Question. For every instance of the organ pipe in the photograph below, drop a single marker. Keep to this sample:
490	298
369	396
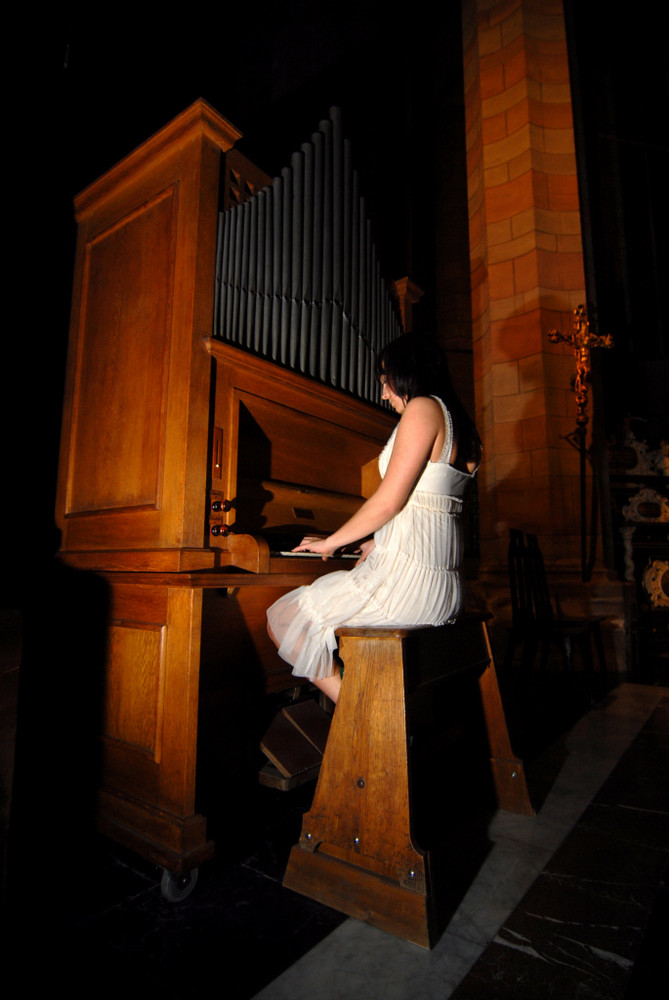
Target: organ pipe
297	276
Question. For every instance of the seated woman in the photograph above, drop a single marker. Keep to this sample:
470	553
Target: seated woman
408	532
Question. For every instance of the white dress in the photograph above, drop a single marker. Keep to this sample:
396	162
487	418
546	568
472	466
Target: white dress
411	577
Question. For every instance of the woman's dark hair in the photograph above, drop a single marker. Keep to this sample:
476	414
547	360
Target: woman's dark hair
416	366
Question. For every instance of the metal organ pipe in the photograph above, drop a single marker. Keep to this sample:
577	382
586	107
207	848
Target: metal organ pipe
297	276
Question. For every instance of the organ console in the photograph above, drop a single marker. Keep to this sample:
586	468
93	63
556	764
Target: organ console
194	452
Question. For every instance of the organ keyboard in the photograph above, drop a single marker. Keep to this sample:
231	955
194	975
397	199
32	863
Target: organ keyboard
298	458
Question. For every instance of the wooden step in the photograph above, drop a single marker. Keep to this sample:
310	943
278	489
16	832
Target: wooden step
310	720
294	745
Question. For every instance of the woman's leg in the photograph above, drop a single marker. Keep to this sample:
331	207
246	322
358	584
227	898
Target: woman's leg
328	685
272	636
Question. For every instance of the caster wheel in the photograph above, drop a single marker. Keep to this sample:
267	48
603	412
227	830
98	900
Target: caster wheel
175	888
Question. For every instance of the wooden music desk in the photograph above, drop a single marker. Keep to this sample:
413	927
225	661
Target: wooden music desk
357	851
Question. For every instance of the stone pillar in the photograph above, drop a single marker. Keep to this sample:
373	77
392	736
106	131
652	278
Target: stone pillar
527	277
527	271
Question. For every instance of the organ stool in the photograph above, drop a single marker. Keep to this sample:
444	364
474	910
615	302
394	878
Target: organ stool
358	851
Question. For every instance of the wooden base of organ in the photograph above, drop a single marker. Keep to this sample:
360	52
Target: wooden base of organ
185	652
358	851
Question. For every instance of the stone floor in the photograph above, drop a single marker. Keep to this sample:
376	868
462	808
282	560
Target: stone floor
570	903
565	902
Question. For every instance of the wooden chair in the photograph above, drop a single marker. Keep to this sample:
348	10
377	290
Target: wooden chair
358	850
534	622
523	630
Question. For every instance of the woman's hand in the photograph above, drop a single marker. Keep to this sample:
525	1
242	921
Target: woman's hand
365	549
321	546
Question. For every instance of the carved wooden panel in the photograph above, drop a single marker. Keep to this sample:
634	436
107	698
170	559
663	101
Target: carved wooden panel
135	675
121	373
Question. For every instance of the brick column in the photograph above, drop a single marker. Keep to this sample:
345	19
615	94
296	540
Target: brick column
527	270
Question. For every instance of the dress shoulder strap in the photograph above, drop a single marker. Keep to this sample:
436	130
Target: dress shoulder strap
448	433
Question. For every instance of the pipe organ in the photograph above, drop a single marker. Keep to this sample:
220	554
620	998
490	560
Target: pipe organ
193	452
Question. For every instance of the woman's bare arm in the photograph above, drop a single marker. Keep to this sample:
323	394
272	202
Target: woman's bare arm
419	426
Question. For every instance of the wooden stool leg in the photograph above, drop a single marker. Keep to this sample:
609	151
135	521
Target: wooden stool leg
355	852
507	769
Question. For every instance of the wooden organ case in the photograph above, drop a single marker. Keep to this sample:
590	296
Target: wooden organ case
181	458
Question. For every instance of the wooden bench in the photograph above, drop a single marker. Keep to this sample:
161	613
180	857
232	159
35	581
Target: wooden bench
357	851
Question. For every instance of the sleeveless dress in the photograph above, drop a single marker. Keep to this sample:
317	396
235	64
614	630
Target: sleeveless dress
411	577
